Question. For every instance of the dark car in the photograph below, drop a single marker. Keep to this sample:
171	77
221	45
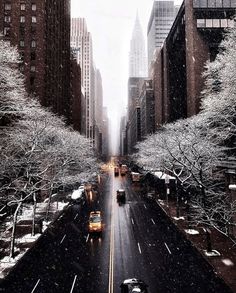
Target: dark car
120	196
133	286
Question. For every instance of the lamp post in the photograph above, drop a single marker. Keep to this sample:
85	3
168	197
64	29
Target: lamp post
167	181
177	198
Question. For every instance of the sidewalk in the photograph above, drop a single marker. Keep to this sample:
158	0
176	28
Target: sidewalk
224	263
24	240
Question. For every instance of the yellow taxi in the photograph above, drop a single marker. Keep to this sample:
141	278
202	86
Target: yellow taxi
95	222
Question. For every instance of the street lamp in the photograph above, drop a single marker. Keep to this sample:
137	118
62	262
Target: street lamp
167	181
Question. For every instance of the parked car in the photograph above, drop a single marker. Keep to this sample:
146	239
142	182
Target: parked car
133	286
120	196
78	195
95	222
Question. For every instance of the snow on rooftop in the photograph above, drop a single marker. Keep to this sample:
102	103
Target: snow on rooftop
162	175
191	231
28	238
212	253
227	262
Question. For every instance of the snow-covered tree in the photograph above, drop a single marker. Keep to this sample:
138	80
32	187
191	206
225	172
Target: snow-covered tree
218	97
38	150
191	149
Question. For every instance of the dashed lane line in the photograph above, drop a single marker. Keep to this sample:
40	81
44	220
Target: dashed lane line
35	286
153	221
63	239
87	238
139	248
167	248
73	285
132	221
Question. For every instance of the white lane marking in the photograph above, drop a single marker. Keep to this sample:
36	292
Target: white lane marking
139	248
73	285
35	285
76	216
132	221
63	239
87	238
145	206
167	248
161	207
153	221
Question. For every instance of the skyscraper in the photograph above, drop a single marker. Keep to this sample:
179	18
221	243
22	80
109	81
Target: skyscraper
137	54
81	43
161	19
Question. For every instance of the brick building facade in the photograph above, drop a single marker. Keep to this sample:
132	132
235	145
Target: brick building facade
41	31
193	39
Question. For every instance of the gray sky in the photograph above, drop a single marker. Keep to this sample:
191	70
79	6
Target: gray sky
111	23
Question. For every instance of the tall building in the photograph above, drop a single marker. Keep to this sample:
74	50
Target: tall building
123	136
44	48
137	54
98	108
134	115
147	106
81	43
193	40
160	21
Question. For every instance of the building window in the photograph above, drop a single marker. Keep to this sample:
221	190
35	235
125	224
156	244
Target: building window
233	3
216	23
22	31
201	23
34	20
22	7
32	68
208	22
22	19
7	18
230	22
223	23
33	44
34	7
218	3
33	29
22	56
22	43
32	80
33	56
226	3
6	31
7	6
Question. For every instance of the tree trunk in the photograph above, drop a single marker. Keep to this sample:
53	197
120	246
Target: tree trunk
49	205
33	218
13	234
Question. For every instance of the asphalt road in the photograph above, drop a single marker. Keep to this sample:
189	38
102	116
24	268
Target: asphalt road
138	241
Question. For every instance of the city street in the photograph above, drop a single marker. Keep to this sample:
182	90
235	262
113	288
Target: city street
138	240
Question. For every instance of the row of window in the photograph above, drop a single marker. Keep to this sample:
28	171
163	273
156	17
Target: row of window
22	44
7	6
7	19
33	19
214	3
217	23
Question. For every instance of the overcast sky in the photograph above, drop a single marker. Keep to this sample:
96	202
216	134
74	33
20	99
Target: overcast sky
111	23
